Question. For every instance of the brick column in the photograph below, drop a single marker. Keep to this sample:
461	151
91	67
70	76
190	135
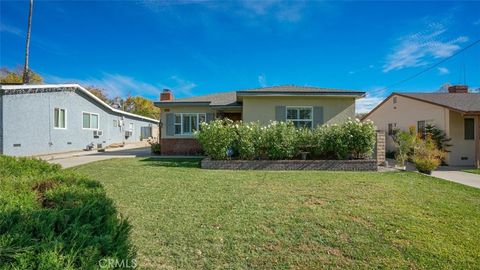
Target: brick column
380	148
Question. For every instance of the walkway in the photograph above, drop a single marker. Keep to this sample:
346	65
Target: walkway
455	174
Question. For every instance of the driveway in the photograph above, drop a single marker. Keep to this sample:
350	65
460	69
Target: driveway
455	174
84	158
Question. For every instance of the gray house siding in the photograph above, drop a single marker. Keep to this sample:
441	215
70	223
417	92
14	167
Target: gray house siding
28	127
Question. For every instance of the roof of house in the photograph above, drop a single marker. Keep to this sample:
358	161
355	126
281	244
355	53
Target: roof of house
231	98
461	102
464	102
25	87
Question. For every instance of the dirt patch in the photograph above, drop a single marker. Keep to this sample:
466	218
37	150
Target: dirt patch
40	189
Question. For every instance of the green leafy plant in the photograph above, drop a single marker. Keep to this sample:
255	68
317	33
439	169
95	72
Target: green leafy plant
404	142
217	138
426	156
249	140
55	219
281	140
440	138
156	148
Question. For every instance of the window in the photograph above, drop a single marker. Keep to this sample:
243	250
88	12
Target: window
59	118
421	128
115	123
187	123
391	128
130	126
469	126
300	116
90	120
394	100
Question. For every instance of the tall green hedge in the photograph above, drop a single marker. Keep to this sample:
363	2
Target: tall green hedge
55	219
224	139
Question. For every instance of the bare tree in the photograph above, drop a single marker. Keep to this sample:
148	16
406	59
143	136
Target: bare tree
26	77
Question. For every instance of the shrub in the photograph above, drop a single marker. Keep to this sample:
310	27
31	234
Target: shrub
359	138
280	140
217	138
54	219
404	142
156	148
249	140
426	156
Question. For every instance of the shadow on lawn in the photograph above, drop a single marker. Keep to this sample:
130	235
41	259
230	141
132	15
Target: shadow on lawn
172	162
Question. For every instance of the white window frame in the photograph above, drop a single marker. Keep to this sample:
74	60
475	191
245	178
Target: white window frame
391	132
65	113
131	126
98	117
181	122
298	119
115	123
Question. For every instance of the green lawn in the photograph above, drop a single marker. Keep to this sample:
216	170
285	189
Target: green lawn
184	217
476	171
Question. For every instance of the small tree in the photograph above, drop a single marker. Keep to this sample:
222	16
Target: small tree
404	142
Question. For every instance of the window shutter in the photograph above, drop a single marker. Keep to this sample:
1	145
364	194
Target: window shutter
317	116
210	117
170	124
280	113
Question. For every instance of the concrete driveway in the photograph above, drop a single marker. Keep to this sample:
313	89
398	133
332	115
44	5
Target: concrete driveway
80	158
455	174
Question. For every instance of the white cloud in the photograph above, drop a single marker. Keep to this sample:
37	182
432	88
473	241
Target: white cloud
262	80
365	105
11	29
418	49
117	85
443	70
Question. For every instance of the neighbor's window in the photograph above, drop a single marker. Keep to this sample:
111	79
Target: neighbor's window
90	120
115	123
391	128
421	127
131	126
187	123
394	100
59	118
300	116
469	125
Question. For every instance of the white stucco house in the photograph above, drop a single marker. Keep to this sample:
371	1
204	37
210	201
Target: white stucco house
457	113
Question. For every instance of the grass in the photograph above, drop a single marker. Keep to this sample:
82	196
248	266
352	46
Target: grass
475	171
54	219
184	217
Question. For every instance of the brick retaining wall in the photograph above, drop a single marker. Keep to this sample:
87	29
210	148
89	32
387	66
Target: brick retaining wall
326	165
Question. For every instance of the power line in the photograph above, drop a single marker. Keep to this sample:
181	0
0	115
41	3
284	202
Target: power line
432	66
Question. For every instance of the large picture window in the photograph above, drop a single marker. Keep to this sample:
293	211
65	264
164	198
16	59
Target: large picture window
187	123
90	120
59	118
300	116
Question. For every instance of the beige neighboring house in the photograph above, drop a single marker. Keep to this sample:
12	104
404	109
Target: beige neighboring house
304	106
457	113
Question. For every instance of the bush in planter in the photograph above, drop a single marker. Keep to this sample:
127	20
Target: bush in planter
249	140
280	140
359	138
330	142
217	138
426	156
156	148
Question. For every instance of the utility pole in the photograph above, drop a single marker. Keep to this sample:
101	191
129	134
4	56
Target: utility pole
26	77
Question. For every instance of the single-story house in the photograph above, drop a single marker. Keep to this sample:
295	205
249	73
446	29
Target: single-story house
54	118
304	106
457	113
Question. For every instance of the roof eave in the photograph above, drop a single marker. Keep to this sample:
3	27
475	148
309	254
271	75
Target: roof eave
303	94
181	103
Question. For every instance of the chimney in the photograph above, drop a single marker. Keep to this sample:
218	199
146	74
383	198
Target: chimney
458	89
166	95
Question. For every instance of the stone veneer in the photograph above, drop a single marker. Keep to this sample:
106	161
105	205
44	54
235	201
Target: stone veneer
327	165
380	148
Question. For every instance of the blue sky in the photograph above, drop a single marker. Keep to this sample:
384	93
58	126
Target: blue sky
140	47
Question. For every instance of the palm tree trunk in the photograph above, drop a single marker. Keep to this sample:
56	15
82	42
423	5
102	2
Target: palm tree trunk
26	77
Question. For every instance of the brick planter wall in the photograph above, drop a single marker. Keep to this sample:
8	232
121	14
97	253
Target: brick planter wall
326	165
180	147
380	146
